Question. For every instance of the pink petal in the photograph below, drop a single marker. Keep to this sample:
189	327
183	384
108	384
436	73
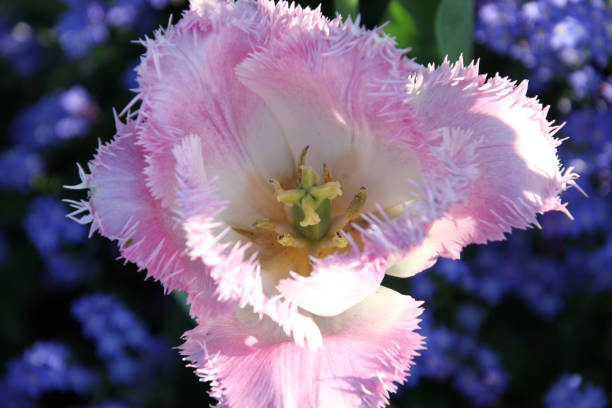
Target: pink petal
341	90
336	283
328	83
338	110
366	352
121	208
230	261
515	173
187	86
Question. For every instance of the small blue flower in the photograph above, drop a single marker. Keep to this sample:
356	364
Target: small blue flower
18	168
48	228
568	393
54	117
63	270
18	45
12	397
127	347
46	367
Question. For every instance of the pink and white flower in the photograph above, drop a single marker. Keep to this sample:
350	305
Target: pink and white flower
237	102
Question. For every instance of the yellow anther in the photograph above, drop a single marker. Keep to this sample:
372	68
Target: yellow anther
309	207
301	163
327	176
329	190
357	202
276	185
285	240
264	224
339	240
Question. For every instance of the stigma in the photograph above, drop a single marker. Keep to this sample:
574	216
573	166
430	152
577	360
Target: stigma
312	227
310	199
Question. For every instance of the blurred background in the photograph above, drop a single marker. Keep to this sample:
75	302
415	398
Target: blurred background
520	323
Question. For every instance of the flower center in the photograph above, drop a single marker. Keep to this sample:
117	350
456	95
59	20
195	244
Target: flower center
313	227
310	200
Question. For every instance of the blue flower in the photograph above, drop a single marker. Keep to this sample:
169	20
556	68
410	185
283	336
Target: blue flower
46	367
568	393
54	117
82	26
127	347
18	168
585	82
12	397
48	228
18	45
552	38
66	271
470	317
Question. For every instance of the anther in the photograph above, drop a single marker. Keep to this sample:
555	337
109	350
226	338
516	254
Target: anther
264	224
327	176
288	240
339	240
285	240
357	202
276	185
301	163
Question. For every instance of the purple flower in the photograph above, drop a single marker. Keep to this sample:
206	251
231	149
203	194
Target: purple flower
19	167
63	270
570	392
82	26
585	82
552	38
45	367
59	116
47	227
18	45
122	341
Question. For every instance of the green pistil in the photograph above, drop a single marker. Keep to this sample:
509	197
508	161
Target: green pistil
311	203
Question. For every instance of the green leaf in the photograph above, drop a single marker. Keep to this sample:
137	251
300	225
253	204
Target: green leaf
347	8
454	25
411	22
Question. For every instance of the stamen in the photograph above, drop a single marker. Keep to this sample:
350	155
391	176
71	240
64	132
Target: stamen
327	176
356	205
285	240
264	224
288	240
311	204
276	185
339	240
301	163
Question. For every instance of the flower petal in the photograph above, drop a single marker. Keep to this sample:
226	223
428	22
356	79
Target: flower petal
188	87
327	84
334	286
230	261
516	173
121	208
366	351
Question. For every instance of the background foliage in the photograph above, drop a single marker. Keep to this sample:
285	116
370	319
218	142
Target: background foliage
524	322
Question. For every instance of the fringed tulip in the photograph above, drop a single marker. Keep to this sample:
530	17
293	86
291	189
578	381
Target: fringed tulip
279	164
